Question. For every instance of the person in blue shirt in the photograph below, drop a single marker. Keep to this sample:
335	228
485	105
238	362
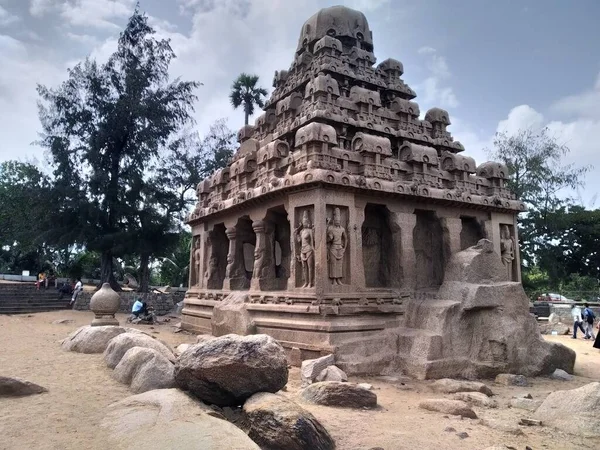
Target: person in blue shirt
139	308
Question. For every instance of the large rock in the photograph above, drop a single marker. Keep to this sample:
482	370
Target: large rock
228	370
332	373
181	348
560	374
145	369
483	321
574	411
476	399
509	379
525	403
450	386
334	393
452	407
119	345
169	419
231	316
16	387
276	423
311	368
90	339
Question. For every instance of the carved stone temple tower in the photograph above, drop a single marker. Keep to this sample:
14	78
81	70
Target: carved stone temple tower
342	225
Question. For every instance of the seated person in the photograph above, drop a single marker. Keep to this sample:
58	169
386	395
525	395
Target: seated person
139	308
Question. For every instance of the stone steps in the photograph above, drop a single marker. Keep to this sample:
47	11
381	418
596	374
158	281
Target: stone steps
22	298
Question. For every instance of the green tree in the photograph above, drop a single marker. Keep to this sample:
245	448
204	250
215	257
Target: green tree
174	268
246	93
104	127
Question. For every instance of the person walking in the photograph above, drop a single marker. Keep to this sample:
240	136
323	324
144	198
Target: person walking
76	291
588	319
577	320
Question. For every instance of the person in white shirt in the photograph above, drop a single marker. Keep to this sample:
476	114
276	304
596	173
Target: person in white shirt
577	320
78	288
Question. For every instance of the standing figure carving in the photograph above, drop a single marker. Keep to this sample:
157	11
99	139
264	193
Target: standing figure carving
197	261
507	250
336	247
305	235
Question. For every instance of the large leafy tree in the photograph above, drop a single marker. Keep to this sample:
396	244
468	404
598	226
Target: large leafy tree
104	127
246	93
539	177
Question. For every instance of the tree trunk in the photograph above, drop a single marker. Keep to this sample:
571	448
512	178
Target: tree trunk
246	113
144	272
106	270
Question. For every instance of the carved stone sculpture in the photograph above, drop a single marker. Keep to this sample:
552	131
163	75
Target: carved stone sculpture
197	259
105	304
337	242
306	237
507	249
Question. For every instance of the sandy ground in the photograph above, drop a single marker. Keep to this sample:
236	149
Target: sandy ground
80	387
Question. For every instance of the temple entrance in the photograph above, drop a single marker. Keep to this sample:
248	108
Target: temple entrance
279	247
471	232
428	242
380	261
217	257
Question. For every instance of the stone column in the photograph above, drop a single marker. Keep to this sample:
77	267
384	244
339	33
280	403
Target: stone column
322	282
231	270
262	256
403	225
452	227
357	269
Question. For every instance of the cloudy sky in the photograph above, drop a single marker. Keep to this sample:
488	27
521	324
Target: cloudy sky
494	65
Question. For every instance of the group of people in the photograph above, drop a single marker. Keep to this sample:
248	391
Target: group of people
584	320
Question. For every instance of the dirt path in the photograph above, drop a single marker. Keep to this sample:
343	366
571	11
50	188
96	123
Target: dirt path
80	387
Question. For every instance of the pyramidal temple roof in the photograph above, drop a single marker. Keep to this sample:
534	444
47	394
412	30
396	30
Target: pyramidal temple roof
336	118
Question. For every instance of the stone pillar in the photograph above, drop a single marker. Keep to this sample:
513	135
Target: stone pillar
232	264
452	227
263	258
322	281
355	221
403	225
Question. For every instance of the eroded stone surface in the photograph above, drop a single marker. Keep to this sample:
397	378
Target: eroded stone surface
449	386
476	399
453	407
311	368
90	339
145	369
509	379
275	423
227	370
118	346
16	387
334	393
332	373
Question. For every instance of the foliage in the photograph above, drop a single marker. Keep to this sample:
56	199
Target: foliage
246	93
174	268
105	127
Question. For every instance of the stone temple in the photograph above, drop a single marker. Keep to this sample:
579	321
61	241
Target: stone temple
346	224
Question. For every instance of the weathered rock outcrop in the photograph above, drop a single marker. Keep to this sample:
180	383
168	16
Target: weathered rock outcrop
276	423
145	369
119	345
231	316
228	370
169	419
574	411
478	326
90	339
16	387
334	393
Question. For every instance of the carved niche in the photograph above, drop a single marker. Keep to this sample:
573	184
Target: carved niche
338	265
304	239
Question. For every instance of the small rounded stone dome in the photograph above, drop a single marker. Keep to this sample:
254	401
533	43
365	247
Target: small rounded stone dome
337	22
392	64
437	115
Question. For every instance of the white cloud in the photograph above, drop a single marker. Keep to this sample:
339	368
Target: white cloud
434	90
38	8
585	104
7	18
96	13
519	118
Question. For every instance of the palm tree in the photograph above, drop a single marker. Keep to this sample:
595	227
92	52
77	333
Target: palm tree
244	91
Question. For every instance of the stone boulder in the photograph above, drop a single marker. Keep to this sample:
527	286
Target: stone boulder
332	373
169	419
476	399
16	387
204	338
311	368
231	316
450	386
335	393
90	339
560	374
276	423
181	348
228	370
119	345
509	379
452	407
574	411
145	369
525	403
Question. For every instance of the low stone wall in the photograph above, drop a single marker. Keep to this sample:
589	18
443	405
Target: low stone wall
162	303
563	311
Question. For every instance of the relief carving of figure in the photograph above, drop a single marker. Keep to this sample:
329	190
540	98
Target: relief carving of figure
212	268
305	235
336	247
507	249
197	256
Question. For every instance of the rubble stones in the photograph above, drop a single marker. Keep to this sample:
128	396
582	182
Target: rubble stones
145	369
276	423
332	373
450	386
333	393
311	368
525	403
16	387
452	407
509	379
119	345
476	399
228	370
